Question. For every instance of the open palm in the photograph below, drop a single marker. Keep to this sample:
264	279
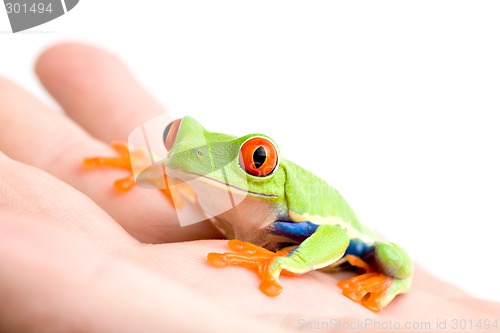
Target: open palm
78	256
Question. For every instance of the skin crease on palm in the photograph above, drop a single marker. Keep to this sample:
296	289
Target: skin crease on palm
82	257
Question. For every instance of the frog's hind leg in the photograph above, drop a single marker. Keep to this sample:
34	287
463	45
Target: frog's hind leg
376	288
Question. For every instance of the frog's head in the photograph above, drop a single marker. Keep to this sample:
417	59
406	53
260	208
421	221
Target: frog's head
245	166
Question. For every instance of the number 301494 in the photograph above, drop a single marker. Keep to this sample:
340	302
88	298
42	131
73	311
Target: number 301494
35	8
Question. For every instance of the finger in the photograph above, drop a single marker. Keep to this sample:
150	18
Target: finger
96	90
35	135
54	281
27	189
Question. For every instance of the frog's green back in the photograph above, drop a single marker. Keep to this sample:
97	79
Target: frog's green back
311	198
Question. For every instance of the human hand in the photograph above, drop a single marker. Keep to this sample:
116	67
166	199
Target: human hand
69	265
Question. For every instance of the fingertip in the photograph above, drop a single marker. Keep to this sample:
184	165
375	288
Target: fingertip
96	89
61	63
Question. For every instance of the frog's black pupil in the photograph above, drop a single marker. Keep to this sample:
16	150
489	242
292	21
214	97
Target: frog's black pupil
165	132
259	156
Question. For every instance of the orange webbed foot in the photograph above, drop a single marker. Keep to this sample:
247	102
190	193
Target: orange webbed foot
254	257
369	288
121	161
141	161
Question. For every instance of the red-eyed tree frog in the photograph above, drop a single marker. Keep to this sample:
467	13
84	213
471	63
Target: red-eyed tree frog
286	219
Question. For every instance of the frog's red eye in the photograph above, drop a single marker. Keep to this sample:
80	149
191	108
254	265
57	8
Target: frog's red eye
258	157
170	133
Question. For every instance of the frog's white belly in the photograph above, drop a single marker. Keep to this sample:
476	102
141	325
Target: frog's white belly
237	213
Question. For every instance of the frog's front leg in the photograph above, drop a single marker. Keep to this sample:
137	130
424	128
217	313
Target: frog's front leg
121	161
155	174
323	247
378	286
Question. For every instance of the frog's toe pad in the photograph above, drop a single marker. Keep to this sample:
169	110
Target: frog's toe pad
125	184
270	287
367	289
218	259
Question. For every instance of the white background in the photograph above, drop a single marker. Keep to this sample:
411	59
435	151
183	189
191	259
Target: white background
395	104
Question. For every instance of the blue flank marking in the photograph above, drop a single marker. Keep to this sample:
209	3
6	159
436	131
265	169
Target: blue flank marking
299	231
358	248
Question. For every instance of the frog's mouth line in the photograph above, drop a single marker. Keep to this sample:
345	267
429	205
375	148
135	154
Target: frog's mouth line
187	176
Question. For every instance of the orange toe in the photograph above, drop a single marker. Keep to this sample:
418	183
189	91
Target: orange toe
270	287
367	289
121	161
125	184
248	248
